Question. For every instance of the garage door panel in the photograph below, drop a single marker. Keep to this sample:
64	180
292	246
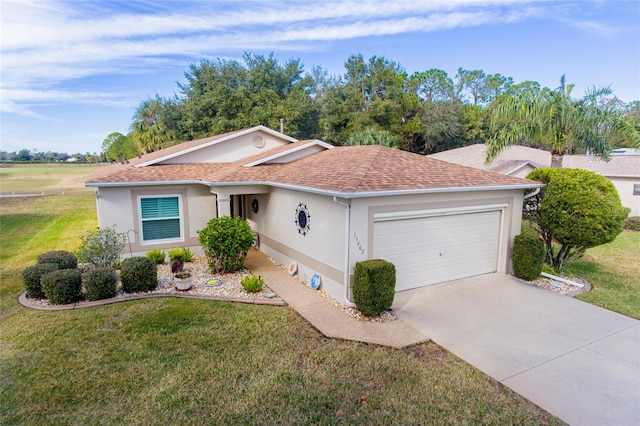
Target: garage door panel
430	250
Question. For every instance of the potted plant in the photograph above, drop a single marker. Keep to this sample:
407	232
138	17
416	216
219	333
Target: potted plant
176	262
182	280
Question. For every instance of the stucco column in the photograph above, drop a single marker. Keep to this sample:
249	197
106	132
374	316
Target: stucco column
224	206
223	200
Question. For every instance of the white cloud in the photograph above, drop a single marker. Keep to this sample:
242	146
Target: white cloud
46	44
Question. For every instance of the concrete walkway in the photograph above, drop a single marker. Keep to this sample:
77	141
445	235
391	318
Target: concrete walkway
325	316
576	360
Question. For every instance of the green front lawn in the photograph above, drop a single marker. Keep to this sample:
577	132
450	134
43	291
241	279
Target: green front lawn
183	361
614	273
47	178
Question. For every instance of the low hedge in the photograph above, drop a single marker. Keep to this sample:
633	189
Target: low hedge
632	223
528	254
31	277
374	286
100	283
138	274
64	259
62	286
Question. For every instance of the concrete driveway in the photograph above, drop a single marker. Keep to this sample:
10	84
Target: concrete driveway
576	360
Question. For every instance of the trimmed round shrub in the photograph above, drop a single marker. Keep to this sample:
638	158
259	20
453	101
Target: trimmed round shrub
64	259
100	283
580	209
528	254
63	286
226	242
31	277
138	274
374	286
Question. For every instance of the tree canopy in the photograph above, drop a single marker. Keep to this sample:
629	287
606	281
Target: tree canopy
555	121
425	112
118	147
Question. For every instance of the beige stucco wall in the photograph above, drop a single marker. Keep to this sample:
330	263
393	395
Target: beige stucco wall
118	206
230	150
320	251
624	186
362	211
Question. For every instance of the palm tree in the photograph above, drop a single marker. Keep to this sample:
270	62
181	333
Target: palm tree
372	136
148	132
553	120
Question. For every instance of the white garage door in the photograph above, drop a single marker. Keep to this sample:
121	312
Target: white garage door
430	250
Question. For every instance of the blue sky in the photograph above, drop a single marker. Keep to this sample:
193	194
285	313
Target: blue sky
74	71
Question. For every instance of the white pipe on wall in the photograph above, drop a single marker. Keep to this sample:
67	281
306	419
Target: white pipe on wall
347	230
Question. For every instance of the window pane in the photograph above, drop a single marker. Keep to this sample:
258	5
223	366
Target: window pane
160	229
159	207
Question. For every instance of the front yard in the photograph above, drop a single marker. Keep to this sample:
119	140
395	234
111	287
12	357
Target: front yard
183	361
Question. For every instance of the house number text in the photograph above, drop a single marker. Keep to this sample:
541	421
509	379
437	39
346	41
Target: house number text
358	244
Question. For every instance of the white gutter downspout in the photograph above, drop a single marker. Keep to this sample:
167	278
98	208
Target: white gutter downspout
536	192
347	231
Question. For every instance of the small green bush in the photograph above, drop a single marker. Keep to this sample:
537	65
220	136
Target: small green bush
252	284
528	254
187	254
175	254
226	241
62	286
374	286
64	259
157	256
138	274
632	223
182	253
100	283
31	277
101	247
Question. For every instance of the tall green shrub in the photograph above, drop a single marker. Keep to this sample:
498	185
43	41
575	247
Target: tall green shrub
226	242
528	254
101	247
374	286
63	286
578	209
138	274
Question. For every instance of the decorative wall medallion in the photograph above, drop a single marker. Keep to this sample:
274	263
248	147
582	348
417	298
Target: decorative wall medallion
302	219
258	141
254	205
315	281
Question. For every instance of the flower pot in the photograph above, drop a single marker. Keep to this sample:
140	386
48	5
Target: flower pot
182	284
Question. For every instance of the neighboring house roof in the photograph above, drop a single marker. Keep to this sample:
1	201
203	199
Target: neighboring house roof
617	166
317	167
508	162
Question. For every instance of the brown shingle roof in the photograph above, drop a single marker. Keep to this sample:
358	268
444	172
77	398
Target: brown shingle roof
618	165
511	158
358	169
